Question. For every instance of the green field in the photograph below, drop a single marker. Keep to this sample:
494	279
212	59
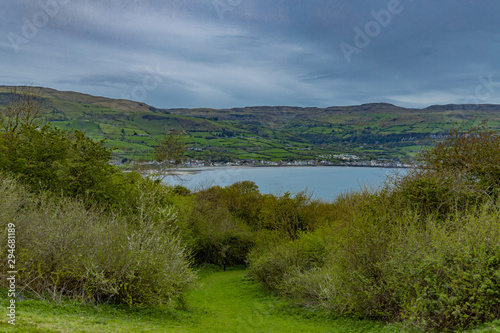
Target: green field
372	131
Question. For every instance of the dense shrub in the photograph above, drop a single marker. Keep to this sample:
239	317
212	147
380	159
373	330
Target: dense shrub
447	277
344	256
244	201
472	155
226	223
286	214
52	159
279	267
66	249
434	275
461	172
424	250
218	236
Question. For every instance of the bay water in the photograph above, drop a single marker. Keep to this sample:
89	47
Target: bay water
322	182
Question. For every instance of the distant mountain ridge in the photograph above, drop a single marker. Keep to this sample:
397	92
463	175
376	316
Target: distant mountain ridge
128	105
372	131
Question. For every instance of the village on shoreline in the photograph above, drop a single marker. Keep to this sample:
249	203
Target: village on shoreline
194	164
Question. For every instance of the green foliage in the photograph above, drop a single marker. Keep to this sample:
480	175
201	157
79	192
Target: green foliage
472	155
285	214
226	223
280	266
59	161
432	275
342	260
455	174
423	251
219	237
65	249
244	201
444	276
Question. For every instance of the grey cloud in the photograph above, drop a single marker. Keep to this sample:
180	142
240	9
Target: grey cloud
257	52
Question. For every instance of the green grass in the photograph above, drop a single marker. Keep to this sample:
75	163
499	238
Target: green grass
221	302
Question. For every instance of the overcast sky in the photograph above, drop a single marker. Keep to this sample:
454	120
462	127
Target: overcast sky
234	53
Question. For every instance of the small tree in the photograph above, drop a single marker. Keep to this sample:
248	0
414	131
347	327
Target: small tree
168	154
26	106
170	150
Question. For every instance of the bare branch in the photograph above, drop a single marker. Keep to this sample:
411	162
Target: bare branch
167	155
26	106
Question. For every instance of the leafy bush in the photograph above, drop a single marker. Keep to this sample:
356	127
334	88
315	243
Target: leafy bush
433	275
226	223
281	267
286	214
424	250
71	164
461	172
244	201
473	154
51	159
66	249
218	236
446	275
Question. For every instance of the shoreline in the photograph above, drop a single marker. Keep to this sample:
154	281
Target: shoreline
198	169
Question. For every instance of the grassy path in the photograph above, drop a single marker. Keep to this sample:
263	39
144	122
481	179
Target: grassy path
230	303
222	302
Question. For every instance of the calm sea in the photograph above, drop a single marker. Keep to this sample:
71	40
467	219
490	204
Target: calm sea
322	182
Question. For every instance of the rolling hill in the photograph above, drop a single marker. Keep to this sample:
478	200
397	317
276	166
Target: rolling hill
372	131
